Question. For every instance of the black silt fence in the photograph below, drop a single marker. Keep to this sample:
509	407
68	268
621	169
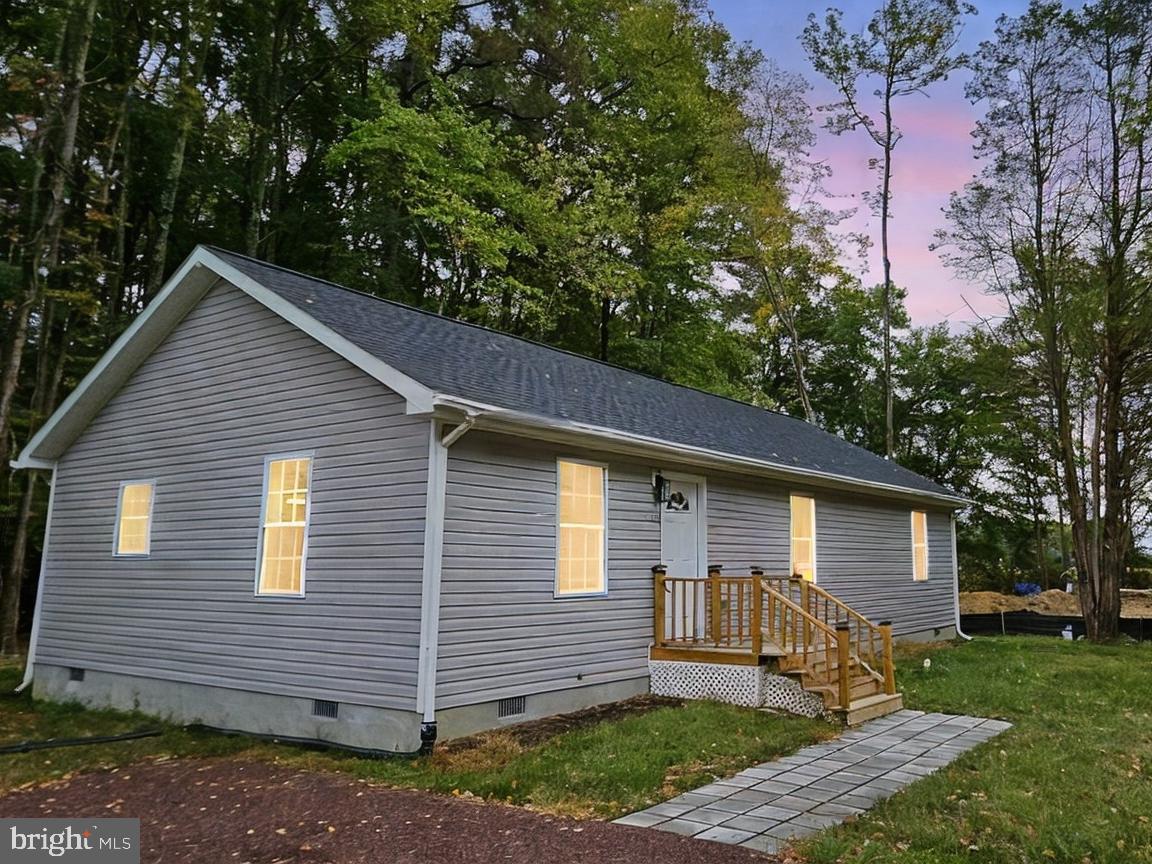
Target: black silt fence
1035	624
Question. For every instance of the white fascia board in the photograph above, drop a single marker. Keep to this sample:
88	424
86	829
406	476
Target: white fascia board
187	286
571	432
180	293
418	397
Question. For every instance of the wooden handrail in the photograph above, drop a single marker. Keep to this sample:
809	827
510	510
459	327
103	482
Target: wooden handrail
889	668
844	663
846	610
659	573
736	613
807	616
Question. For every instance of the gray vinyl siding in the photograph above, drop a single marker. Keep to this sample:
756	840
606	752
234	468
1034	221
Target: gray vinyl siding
748	526
864	557
232	384
863	548
502	632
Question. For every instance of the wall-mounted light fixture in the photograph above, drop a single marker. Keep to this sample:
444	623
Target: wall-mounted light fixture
659	488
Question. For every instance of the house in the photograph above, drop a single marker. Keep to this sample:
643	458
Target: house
289	508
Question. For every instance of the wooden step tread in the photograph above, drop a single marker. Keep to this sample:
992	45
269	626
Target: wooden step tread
871	707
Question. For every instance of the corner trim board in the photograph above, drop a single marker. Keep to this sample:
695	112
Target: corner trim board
433	563
30	662
956	579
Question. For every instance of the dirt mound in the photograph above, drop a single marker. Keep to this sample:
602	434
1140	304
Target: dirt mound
1046	603
1133	604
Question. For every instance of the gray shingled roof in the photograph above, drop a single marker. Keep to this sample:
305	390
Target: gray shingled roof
466	361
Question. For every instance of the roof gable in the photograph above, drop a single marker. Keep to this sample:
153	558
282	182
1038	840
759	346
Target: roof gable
495	369
431	360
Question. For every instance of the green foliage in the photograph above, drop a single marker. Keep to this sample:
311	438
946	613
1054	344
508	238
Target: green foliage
602	770
605	770
1069	782
617	178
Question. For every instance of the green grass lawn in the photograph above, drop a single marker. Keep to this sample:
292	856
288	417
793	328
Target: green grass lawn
604	770
1069	783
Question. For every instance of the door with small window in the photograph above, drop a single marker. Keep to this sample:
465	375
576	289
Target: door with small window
680	552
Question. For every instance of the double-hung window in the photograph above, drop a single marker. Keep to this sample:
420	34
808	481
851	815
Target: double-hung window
134	519
804	537
284	532
581	560
919	546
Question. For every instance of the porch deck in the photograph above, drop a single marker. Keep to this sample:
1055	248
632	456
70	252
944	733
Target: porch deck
803	630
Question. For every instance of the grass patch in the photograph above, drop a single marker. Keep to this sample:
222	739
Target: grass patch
1069	783
602	770
22	719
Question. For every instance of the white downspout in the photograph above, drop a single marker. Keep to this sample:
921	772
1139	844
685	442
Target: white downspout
30	662
956	581
432	569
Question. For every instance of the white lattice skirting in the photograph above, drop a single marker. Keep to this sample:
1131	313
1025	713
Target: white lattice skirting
750	686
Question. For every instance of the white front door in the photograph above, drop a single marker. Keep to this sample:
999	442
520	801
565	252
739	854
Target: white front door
681	553
680	529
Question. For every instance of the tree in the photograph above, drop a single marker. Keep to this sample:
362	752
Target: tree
908	45
1059	224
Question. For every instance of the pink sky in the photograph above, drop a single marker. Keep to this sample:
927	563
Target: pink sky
933	160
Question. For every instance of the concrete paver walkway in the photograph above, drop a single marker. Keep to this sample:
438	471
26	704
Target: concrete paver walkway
821	785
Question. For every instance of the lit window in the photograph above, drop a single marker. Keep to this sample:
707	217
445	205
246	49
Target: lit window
580	560
284	534
804	537
919	545
134	519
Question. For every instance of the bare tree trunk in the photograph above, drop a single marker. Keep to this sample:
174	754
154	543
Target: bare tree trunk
605	321
12	587
265	122
197	41
788	319
42	249
49	375
885	200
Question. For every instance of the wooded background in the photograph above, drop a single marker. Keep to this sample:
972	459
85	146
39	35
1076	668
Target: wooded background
621	179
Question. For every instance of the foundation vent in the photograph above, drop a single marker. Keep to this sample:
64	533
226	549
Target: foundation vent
512	707
325	708
75	674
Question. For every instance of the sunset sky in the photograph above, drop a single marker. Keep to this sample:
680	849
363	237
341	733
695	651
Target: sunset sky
933	159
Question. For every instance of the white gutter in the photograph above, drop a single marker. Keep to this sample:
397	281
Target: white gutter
494	417
29	665
432	570
956	581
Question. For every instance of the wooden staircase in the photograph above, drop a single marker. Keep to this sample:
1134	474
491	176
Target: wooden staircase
812	636
867	698
820	635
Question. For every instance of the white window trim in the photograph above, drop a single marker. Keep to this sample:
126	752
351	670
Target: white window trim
927	549
791	551
283	595
579	595
147	553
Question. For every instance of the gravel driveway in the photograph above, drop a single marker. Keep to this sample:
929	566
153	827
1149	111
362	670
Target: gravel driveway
221	810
